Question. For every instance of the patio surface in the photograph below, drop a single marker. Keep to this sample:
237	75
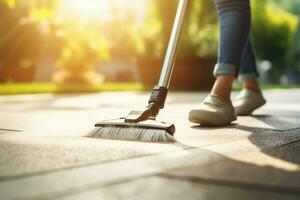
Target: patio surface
44	154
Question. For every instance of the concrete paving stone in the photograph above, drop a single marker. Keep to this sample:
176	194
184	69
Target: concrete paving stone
55	114
59	123
74	179
56	145
23	155
168	188
39	154
50	148
271	121
277	166
58	182
289	152
7	131
259	138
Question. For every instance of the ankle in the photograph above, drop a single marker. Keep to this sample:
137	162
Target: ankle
252	85
222	95
223	86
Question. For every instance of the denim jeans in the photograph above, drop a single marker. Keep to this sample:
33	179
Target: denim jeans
235	55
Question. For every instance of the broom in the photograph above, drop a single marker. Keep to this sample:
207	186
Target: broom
142	125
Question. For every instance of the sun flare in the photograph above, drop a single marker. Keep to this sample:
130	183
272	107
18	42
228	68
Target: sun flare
100	9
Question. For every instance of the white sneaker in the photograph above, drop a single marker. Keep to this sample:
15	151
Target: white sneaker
213	111
248	101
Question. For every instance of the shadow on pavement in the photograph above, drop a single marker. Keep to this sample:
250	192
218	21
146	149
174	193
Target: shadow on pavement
263	137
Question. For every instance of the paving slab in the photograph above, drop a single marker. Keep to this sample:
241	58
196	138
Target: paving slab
22	156
63	181
253	169
44	154
97	175
171	188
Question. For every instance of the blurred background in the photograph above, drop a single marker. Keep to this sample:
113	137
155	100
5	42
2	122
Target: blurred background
104	45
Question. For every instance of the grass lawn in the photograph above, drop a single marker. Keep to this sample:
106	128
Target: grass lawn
269	86
40	88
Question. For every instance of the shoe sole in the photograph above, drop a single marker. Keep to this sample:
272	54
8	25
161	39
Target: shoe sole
252	110
209	122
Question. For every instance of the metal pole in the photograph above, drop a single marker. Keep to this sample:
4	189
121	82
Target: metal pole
170	57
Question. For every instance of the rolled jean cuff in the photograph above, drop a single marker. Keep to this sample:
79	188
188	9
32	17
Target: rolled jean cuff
225	69
247	77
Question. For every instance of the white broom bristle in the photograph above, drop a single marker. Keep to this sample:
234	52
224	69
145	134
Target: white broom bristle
132	133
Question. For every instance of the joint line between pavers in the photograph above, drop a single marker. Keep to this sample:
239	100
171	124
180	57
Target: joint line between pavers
236	184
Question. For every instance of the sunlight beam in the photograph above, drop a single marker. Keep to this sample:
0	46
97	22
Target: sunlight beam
100	10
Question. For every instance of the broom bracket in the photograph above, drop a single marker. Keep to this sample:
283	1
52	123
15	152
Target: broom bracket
155	103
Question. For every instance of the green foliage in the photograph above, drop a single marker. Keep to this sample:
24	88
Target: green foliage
9	3
199	37
122	34
292	6
274	32
82	50
150	34
123	41
22	33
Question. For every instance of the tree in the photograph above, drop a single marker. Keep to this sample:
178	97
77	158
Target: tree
293	6
274	31
24	25
199	37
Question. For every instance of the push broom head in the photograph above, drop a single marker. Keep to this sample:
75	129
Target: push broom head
139	125
146	131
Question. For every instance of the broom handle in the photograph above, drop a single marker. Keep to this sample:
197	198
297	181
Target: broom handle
170	57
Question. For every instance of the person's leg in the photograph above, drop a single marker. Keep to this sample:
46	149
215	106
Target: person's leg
234	17
235	20
248	71
251	97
